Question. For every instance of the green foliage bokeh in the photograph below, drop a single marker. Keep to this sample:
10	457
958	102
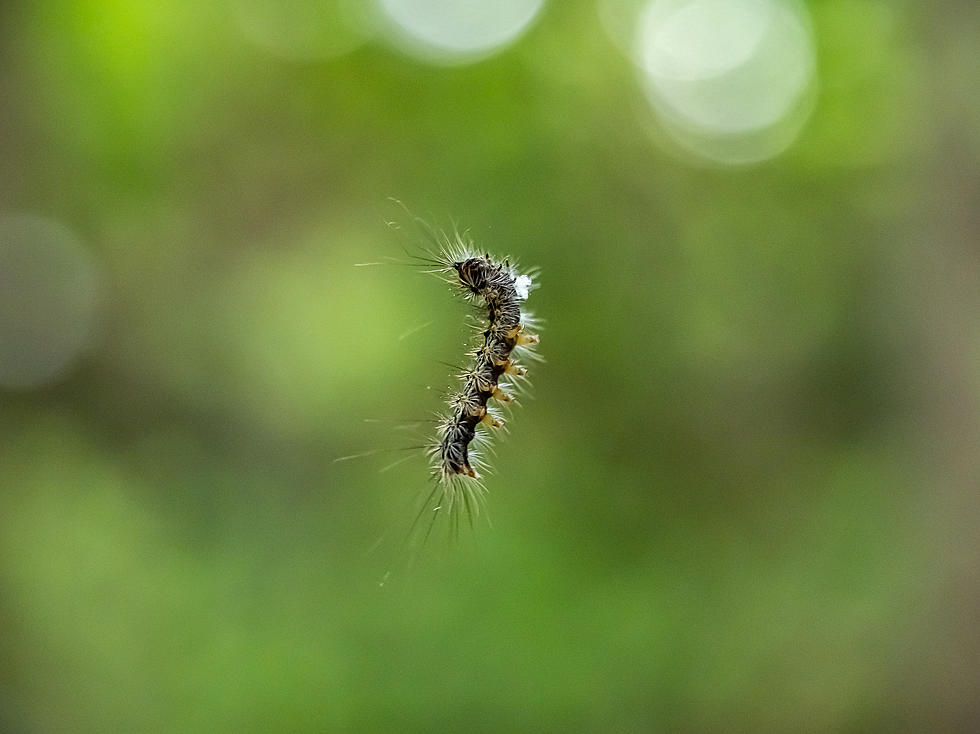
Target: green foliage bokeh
741	496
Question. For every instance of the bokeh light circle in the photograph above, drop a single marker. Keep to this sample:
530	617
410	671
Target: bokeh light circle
459	31
729	80
49	286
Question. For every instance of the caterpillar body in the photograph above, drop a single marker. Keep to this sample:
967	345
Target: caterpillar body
492	378
493	372
502	290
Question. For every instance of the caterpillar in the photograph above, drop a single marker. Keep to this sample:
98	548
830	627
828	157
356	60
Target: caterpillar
493	372
490	381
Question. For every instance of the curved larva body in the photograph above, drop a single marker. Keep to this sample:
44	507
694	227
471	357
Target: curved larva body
500	292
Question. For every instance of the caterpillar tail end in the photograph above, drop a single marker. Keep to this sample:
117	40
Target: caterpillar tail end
462	468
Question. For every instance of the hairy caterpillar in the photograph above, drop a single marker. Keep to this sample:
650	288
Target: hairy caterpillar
501	291
498	291
491	379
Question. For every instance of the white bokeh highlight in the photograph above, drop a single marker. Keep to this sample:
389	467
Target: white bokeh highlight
730	81
49	291
460	31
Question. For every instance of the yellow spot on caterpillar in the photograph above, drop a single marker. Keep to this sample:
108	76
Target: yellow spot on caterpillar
501	395
525	339
490	420
513	369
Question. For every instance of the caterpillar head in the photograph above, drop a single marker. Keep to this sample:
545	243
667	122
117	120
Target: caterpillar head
472	273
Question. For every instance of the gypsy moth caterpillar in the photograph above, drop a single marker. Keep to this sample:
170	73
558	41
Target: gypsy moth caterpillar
503	338
491	377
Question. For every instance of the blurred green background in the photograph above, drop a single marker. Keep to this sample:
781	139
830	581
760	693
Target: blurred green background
743	496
